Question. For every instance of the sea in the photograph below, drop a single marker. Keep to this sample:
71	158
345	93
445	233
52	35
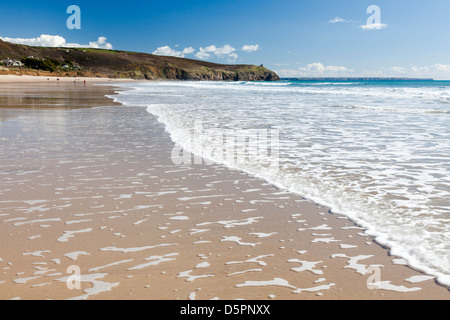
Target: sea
376	151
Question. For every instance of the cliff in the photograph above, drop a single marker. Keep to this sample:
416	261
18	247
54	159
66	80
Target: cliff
123	64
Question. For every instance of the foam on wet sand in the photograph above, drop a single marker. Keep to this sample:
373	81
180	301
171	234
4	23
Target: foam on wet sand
156	230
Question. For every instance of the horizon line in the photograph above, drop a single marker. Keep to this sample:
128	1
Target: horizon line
361	78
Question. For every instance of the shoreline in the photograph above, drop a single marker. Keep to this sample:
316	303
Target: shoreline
39	79
54	92
178	232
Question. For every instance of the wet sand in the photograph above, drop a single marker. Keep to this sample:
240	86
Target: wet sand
95	188
52	93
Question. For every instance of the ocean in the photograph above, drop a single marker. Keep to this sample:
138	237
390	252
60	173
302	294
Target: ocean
377	152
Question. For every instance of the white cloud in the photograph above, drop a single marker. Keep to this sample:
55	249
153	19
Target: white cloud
220	52
368	26
232	57
341	20
438	71
209	49
373	26
189	50
399	70
338	20
441	67
435	71
168	51
250	48
101	43
44	40
202	54
316	69
55	41
225	51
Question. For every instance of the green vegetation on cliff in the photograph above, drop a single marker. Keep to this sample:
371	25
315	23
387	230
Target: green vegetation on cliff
122	64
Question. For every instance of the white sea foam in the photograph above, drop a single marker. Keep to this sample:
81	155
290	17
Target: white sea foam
378	154
36	253
70	234
306	266
110	265
97	285
353	262
180	218
191	278
237	240
155	260
262	235
347	246
36	221
202	265
74	255
77	221
227	224
257	260
279	282
139	222
417	279
243	272
24	280
386	285
136	249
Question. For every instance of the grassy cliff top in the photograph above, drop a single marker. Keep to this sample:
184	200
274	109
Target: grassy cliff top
123	64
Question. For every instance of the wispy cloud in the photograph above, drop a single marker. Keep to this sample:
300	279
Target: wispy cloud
436	71
250	48
340	20
439	71
368	26
56	41
316	69
398	70
232	57
373	26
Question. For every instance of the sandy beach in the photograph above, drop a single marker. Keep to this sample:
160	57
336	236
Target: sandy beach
87	184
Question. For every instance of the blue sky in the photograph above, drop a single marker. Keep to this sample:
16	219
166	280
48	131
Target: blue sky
292	37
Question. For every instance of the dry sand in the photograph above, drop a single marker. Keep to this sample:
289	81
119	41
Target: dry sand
95	188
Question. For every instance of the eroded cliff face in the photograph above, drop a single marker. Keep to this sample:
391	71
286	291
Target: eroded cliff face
122	64
173	73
